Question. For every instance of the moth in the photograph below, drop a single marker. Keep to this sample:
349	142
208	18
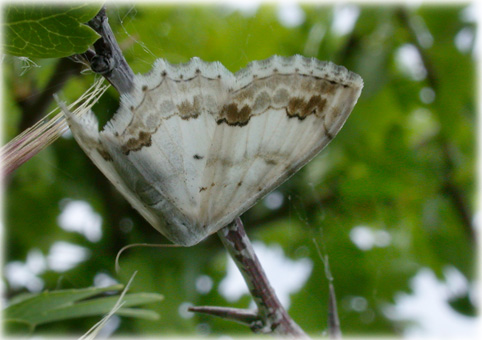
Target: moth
193	146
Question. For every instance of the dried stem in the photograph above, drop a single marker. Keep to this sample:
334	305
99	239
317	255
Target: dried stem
271	317
46	131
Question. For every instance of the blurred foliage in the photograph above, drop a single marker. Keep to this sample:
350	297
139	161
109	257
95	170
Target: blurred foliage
404	163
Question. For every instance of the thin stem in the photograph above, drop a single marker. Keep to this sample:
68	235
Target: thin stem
334	329
271	316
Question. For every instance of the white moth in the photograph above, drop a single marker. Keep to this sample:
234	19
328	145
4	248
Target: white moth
193	146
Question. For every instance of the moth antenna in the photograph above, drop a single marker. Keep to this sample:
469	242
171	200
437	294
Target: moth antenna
117	266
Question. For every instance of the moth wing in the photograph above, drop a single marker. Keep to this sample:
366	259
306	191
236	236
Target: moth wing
278	122
85	130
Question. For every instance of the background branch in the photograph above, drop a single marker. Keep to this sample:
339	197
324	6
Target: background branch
449	186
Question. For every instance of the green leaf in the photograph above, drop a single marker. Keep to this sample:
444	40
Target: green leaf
48	31
93	307
65	304
138	313
27	308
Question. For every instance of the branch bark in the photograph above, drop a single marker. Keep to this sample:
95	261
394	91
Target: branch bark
271	316
108	59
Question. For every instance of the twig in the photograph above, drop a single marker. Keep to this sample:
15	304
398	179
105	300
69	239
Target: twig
271	317
244	316
108	59
334	329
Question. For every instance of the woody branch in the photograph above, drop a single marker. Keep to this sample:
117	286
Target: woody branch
271	317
